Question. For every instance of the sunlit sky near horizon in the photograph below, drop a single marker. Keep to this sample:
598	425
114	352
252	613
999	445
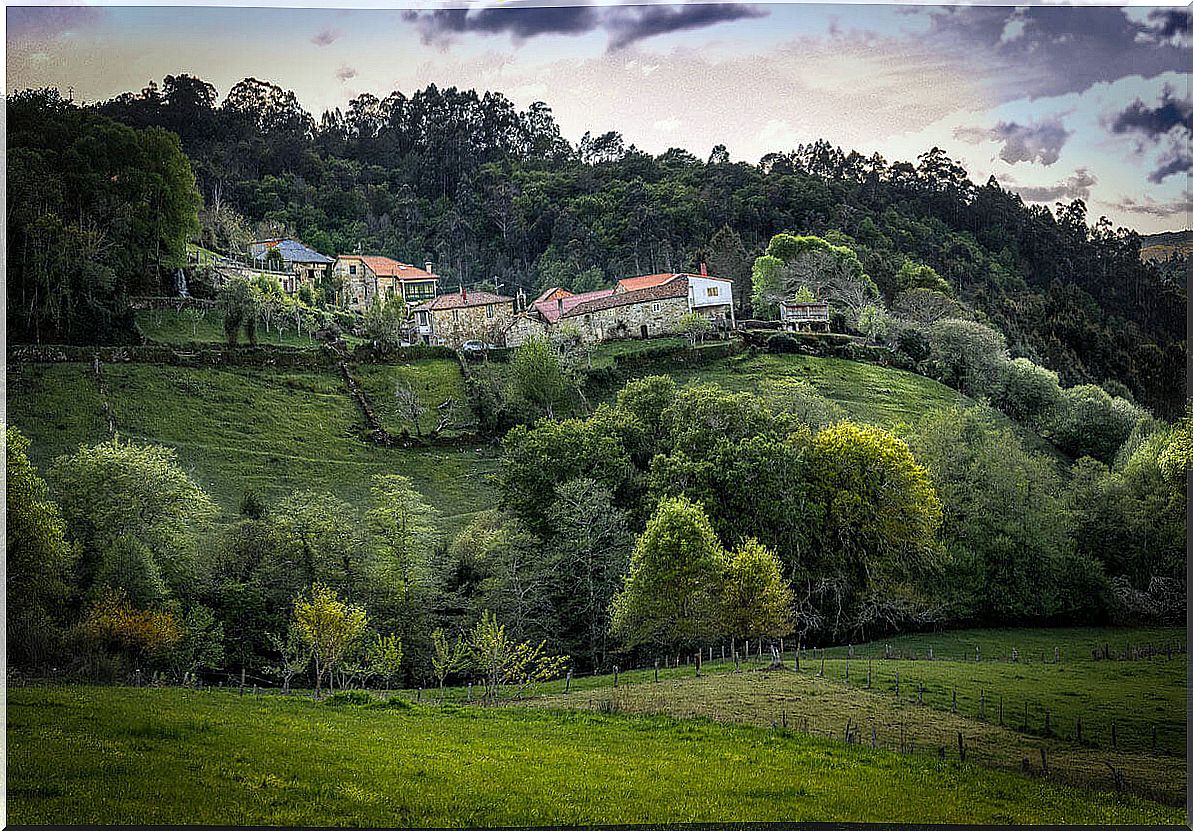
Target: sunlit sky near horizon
1057	102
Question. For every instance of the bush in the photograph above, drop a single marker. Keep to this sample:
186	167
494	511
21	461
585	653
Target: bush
353	698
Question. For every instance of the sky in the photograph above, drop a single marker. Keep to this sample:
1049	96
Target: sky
1056	102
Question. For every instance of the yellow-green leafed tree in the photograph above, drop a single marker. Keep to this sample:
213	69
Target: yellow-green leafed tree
329	628
756	601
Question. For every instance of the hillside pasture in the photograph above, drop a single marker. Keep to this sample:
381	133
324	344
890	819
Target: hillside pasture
272	431
167	756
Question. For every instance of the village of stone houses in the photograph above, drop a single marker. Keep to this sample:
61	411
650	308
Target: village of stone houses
438	459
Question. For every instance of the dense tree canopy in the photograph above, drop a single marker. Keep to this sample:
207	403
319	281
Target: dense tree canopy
490	192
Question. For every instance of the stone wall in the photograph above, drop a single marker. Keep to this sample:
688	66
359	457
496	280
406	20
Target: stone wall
660	317
522	328
454	326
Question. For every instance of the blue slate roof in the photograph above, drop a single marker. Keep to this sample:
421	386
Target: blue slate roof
292	250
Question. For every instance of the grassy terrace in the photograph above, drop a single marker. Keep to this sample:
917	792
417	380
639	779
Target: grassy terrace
167	756
1134	696
271	430
170	327
435	381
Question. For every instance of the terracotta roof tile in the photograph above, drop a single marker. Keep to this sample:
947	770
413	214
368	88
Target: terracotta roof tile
385	267
661	291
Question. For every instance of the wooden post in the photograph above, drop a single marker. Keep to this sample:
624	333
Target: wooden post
873	736
1044	760
242	680
722	652
698	654
747	650
784	719
419	696
960	746
736	662
567	685
821	664
781	648
869	672
797	647
615	676
896	683
847	669
920	699
469	690
656	671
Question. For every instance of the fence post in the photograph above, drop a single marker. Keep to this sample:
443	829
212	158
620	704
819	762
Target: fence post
869	672
470	691
920	699
242	680
656	672
954	699
698	654
1044	760
615	676
960	746
797	649
822	664
896	683
567	685
419	697
847	667
736	662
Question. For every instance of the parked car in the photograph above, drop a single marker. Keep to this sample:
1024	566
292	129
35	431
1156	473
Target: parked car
473	347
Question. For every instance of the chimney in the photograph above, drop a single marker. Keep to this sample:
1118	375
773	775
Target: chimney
463	293
703	269
559	305
521	300
428	267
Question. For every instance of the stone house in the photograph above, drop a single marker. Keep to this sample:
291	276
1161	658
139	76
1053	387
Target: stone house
636	307
362	277
451	319
295	265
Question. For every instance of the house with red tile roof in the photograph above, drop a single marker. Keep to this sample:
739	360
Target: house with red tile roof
636	307
362	277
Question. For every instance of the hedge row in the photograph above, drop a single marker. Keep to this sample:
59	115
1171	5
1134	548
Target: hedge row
198	355
658	357
826	345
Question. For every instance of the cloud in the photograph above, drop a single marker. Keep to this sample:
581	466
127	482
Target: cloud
1040	142
326	37
1169	24
1170	122
346	73
1150	207
628	25
667	125
1052	50
1075	187
1155	121
625	25
441	25
51	22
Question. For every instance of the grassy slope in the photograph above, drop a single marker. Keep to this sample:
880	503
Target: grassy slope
167	756
434	380
234	429
171	327
1135	695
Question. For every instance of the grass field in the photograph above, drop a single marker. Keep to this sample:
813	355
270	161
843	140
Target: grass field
1134	696
234	429
171	327
141	756
435	380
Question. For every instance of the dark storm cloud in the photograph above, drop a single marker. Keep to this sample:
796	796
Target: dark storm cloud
521	24
1155	121
1169	122
326	37
1053	50
624	25
1022	142
627	25
1075	187
1169	23
49	22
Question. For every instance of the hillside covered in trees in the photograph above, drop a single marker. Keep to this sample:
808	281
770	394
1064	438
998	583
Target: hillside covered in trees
493	193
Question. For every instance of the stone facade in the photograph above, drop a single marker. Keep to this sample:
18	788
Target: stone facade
646	319
361	278
451	319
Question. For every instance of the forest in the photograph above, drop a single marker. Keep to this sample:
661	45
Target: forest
494	194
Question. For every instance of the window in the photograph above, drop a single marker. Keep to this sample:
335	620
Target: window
656	307
455	314
489	311
352	269
713	291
